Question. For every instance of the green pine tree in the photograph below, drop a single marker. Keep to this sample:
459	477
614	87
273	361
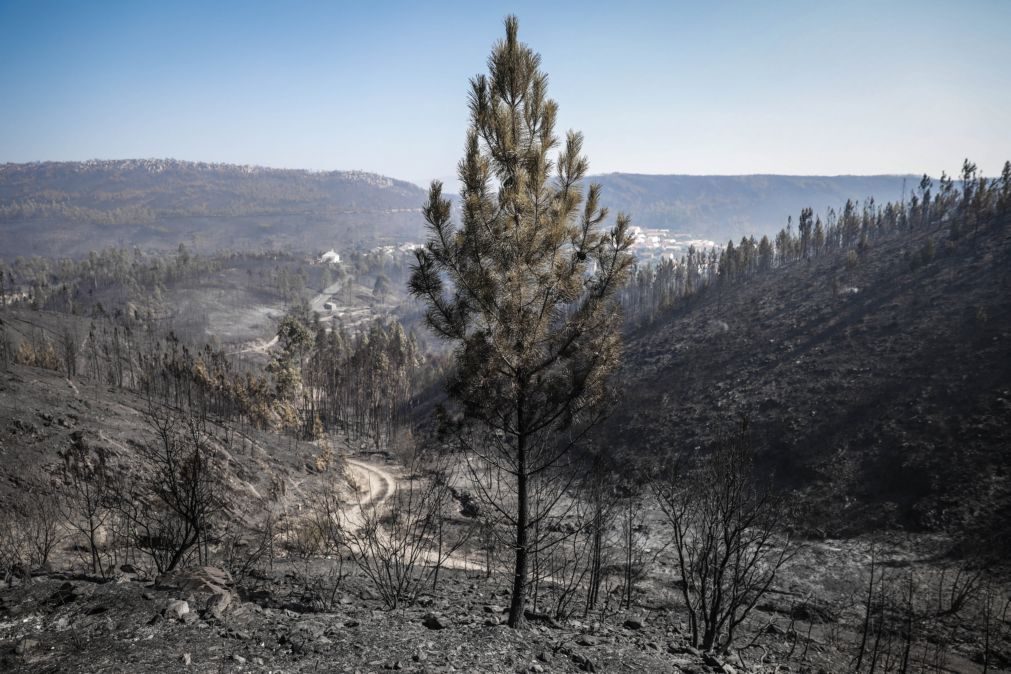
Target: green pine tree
524	287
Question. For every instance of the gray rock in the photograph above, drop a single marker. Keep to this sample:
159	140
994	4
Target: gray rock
689	666
434	621
634	623
218	603
238	658
25	646
311	628
712	661
185	659
177	608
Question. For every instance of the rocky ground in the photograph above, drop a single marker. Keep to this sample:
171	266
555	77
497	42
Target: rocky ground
199	621
202	620
294	614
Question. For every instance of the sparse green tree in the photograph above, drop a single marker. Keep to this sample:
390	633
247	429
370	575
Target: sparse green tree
806	227
925	184
381	288
295	339
524	287
818	241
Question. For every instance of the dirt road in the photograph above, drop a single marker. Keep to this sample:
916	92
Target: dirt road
260	347
316	304
377	482
376	485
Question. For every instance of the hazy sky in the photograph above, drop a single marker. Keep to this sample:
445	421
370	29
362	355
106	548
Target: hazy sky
657	87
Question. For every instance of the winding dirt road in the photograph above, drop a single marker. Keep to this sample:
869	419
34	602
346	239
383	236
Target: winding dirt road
376	484
316	304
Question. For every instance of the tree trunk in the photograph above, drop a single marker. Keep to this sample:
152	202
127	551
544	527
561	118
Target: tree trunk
522	518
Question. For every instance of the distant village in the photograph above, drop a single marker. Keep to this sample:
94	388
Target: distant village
651	247
655	245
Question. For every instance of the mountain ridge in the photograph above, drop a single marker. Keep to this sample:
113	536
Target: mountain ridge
53	207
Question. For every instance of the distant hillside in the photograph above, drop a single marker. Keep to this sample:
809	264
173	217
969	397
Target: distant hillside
724	207
67	208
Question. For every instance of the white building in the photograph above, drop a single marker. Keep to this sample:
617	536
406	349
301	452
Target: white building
330	257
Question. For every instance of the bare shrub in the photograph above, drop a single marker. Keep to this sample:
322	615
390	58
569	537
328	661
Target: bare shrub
903	608
723	528
996	605
401	543
246	551
567	567
601	494
85	499
316	545
30	530
637	554
170	507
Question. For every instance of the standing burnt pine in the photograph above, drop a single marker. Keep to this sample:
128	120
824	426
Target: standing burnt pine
523	288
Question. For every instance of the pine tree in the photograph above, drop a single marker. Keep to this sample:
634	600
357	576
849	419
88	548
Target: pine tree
805	225
524	288
765	254
818	242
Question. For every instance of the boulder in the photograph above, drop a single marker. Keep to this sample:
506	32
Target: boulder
177	608
218	603
434	621
634	623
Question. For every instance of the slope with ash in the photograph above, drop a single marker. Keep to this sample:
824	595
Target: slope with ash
876	386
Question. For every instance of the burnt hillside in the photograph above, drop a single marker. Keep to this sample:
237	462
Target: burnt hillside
876	384
69	208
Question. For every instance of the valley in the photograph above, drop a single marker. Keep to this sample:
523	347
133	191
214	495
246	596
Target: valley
824	329
734	397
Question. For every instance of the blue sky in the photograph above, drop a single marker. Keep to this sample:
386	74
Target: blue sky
656	87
